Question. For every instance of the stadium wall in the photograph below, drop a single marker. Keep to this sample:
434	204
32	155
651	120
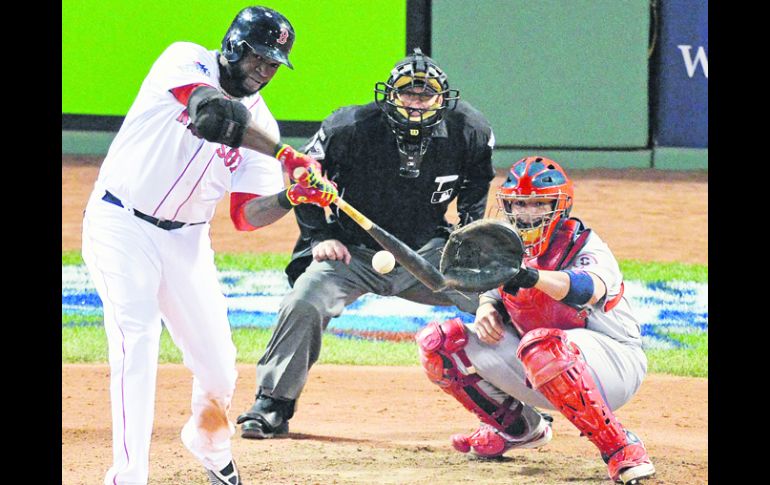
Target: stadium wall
591	83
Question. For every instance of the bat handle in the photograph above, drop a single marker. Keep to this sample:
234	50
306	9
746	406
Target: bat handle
348	209
351	211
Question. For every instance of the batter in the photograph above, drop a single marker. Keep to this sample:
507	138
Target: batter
199	128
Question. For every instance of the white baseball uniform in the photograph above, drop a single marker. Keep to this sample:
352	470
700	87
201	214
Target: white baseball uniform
611	342
145	273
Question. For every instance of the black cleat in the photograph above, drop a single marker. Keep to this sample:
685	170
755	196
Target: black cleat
257	429
226	476
267	418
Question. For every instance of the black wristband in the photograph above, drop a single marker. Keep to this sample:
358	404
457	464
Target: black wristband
526	278
283	200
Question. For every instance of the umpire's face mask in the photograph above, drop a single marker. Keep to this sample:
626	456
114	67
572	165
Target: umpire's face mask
419	107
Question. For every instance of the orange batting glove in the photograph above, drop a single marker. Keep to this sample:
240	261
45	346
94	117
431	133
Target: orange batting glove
312	188
292	159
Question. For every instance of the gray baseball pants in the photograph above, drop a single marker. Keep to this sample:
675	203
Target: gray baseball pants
321	293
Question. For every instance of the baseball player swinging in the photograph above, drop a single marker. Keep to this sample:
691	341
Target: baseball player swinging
198	128
559	334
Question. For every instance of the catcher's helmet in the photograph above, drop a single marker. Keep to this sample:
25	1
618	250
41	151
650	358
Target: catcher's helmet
536	179
416	74
264	31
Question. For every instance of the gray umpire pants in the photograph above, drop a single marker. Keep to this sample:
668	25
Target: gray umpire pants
321	293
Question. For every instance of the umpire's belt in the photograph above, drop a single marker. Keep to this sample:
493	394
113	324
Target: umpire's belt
163	224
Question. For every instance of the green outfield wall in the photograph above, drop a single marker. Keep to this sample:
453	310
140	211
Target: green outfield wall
564	79
342	48
550	73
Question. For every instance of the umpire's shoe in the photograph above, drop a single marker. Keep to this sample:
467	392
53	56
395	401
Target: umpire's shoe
267	418
226	476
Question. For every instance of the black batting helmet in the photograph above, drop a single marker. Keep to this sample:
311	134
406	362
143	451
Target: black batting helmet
263	30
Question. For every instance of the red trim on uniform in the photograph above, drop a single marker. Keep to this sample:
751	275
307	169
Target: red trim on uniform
182	93
615	299
237	210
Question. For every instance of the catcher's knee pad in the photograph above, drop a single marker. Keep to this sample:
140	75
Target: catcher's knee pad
442	355
555	367
546	353
437	342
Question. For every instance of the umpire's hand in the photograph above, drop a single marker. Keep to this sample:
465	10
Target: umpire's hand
331	249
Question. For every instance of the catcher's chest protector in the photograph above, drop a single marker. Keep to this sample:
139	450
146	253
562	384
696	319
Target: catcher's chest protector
531	308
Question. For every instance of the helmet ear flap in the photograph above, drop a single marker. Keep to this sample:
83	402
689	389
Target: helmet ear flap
233	51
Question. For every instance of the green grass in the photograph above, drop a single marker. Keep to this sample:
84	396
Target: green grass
252	262
691	360
224	261
71	258
645	271
632	270
83	338
88	344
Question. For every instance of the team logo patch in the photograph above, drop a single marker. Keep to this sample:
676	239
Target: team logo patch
284	36
202	68
585	260
315	148
444	195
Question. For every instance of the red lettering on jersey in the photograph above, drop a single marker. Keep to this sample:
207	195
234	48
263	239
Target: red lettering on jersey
232	157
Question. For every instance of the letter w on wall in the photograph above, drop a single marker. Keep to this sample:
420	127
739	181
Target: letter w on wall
692	63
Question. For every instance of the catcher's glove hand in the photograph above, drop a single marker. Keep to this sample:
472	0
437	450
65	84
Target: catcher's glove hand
482	255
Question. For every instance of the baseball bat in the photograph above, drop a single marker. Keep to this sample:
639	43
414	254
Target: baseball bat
406	256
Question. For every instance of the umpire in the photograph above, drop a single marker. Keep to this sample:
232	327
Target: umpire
400	160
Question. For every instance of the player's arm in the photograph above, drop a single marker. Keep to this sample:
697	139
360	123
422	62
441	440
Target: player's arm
250	211
220	119
574	287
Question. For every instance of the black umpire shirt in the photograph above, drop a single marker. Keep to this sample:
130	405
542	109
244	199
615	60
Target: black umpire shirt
357	149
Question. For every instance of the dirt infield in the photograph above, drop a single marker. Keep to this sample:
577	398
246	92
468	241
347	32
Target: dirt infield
389	425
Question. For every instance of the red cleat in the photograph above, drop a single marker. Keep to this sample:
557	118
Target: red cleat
488	442
630	464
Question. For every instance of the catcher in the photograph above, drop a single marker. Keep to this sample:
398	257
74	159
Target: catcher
558	334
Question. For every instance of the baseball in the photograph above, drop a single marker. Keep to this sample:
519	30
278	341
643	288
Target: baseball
383	262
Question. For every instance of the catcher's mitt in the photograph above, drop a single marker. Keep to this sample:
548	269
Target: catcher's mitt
481	256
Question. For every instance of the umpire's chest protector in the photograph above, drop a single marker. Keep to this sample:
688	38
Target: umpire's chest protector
530	308
409	208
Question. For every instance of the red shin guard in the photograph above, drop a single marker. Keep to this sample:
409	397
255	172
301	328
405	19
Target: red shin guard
555	367
439	344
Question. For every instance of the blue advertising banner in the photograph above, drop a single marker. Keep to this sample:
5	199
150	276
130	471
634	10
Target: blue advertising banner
681	84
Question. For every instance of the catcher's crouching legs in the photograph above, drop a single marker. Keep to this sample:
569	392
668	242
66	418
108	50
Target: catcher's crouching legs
506	422
555	367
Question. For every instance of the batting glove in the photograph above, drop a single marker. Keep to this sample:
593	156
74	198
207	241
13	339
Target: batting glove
292	159
312	188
